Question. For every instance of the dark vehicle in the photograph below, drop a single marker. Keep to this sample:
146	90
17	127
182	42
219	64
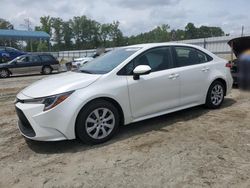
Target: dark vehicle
9	53
30	63
239	46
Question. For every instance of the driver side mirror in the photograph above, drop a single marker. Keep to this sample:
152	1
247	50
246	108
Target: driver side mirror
141	70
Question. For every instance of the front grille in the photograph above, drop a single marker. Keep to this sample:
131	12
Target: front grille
24	124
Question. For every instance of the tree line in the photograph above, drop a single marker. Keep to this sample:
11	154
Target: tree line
81	33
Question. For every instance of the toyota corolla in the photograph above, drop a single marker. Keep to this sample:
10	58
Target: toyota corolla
127	85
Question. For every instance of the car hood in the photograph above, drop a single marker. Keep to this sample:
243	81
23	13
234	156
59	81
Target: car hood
84	59
60	83
239	45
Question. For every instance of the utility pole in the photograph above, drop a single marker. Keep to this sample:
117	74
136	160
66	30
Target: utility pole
27	24
242	31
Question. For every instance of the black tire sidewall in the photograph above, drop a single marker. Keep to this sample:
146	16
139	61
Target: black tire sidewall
43	72
209	103
80	128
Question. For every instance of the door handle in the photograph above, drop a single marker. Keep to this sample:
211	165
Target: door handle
205	69
173	76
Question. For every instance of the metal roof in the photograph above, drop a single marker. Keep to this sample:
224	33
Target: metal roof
23	35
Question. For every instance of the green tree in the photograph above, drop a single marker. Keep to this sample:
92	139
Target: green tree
191	31
4	24
116	34
46	25
67	35
57	24
105	33
42	47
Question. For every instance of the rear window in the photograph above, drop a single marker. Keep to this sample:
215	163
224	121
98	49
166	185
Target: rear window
47	58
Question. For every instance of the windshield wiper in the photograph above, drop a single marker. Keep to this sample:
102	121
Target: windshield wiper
85	71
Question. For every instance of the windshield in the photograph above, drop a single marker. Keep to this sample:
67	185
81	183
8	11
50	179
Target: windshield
109	61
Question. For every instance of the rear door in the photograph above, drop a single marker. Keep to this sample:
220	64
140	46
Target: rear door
35	64
194	67
49	60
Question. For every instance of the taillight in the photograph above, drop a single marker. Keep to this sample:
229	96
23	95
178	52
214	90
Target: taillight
229	65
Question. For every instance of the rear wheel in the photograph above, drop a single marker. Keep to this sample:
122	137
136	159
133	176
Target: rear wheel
4	73
47	70
97	122
215	95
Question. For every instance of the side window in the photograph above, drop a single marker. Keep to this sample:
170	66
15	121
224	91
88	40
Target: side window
185	56
158	59
24	59
46	58
34	59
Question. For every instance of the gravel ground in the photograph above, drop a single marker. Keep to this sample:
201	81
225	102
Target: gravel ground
192	148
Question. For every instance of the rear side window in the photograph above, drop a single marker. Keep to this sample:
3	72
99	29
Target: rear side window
186	56
158	59
46	58
34	59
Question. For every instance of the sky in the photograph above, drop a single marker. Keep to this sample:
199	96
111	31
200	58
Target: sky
135	16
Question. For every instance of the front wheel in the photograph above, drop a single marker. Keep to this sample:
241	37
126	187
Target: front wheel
97	122
215	95
4	73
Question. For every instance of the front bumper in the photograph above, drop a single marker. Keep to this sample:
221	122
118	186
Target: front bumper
52	125
31	128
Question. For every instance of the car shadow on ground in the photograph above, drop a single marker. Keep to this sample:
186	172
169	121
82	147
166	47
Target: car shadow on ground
154	124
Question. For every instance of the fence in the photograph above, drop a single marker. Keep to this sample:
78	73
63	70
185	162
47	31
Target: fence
217	45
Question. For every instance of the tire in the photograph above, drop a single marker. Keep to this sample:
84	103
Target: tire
215	95
92	129
47	70
4	73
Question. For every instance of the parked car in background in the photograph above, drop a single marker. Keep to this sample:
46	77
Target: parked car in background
127	85
239	46
79	62
9	53
30	63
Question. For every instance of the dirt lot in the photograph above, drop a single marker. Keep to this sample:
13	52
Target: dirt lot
191	148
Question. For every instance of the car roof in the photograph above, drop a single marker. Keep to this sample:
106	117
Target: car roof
39	54
151	45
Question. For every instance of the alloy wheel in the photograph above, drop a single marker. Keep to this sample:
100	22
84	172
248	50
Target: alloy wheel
217	94
100	123
47	70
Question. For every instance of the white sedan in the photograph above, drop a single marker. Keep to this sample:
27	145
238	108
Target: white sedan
127	85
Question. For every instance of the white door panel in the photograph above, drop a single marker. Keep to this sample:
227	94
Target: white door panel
154	93
194	81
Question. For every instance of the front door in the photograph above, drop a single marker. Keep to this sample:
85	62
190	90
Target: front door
157	91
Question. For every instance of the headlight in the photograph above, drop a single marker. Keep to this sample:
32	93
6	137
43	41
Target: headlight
51	101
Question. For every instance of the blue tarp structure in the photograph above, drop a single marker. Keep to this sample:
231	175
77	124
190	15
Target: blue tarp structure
23	35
